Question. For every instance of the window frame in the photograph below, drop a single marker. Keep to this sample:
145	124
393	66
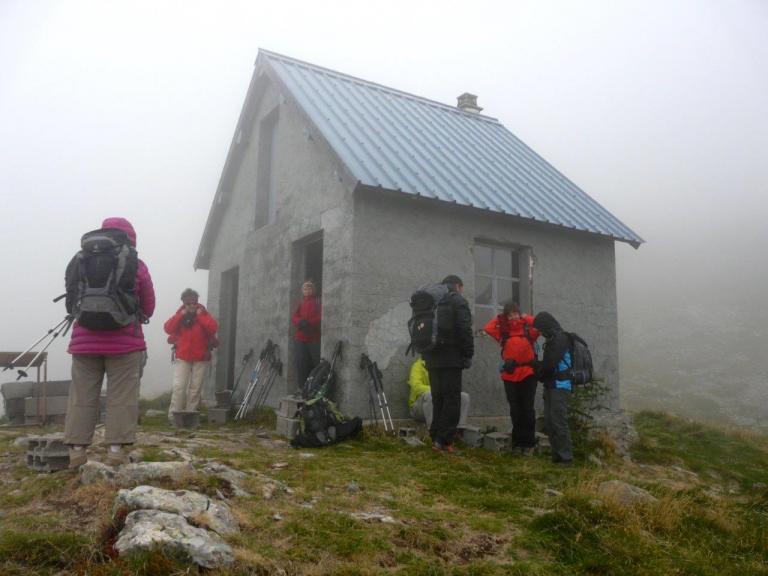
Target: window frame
495	306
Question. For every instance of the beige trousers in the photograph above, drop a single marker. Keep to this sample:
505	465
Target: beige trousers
88	371
187	385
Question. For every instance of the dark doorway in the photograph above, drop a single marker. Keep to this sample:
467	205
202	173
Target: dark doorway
225	371
313	264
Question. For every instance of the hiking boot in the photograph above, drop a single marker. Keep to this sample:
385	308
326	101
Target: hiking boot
77	458
437	447
116	458
449	448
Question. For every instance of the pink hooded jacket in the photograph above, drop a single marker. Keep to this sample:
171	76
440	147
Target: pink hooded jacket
130	338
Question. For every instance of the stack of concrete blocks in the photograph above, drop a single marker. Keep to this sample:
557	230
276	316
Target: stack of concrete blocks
47	453
406	432
471	436
287	421
219	414
497	442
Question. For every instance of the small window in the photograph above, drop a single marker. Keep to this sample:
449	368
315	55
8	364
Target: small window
497	279
266	208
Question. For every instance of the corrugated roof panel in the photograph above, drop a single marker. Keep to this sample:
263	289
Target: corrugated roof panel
402	142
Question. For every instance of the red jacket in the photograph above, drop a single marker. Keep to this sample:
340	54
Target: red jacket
192	342
517	347
309	310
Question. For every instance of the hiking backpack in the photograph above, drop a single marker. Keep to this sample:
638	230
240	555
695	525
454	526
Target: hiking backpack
101	281
581	360
423	326
321	424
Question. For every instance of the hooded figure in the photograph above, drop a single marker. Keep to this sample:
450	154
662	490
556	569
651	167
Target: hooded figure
554	374
117	354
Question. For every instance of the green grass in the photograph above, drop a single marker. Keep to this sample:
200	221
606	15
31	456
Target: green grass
478	514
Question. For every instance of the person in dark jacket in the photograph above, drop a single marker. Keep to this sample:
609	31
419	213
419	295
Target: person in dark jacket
306	318
554	374
191	330
446	361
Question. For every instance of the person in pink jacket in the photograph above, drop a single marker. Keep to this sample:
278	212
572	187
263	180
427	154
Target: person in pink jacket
120	355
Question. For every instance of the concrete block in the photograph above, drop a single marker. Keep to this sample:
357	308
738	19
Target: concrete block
47	453
14	410
224	399
497	442
186	419
288	427
217	415
471	436
406	431
289	405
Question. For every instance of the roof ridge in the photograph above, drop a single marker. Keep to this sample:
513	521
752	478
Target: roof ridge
375	85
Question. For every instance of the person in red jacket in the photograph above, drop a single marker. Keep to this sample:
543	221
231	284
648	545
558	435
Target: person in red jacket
306	318
517	336
191	330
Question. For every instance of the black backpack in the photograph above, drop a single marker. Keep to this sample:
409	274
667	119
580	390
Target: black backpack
322	424
423	326
581	360
101	281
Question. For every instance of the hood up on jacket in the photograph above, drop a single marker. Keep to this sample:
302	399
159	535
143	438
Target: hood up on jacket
121	224
546	324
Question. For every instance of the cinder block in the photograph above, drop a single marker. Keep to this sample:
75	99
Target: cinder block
471	436
289	406
288	427
47	453
224	399
217	415
406	432
497	442
189	419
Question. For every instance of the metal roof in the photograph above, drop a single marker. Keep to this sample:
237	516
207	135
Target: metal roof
402	142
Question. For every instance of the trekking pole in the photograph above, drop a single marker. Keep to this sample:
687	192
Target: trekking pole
273	359
63	330
380	387
277	371
246	359
11	364
364	363
371	366
258	373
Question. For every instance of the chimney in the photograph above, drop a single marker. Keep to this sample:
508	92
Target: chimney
468	103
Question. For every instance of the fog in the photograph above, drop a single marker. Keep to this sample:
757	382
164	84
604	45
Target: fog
656	109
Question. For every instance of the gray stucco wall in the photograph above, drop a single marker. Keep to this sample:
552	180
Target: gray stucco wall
312	194
401	243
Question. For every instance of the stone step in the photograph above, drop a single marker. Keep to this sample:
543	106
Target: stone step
471	436
497	442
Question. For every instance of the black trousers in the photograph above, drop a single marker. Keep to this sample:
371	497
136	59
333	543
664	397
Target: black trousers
521	396
556	417
446	403
307	357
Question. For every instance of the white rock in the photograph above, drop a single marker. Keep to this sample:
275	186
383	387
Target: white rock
231	476
194	506
374	517
143	472
151	528
93	471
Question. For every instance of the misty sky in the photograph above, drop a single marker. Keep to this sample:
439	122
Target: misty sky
655	108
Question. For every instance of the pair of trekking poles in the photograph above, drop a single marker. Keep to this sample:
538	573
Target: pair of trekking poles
51	334
267	369
376	394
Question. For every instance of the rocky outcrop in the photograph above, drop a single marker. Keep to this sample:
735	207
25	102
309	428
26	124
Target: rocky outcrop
194	507
153	528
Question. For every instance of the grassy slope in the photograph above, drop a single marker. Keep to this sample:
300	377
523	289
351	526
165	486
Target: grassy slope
477	514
